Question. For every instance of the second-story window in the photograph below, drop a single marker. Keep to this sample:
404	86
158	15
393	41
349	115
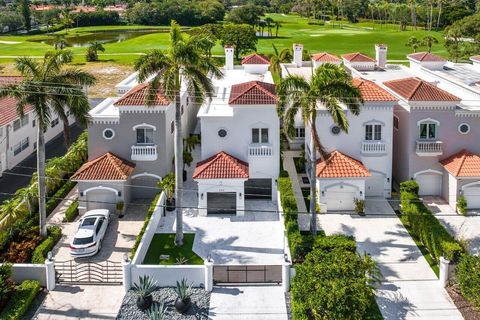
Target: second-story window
23	121
144	135
428	130
300	132
260	135
373	132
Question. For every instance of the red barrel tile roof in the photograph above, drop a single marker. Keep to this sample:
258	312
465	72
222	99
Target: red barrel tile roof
221	166
339	165
357	57
325	57
425	57
253	92
371	91
415	89
137	95
255	58
106	167
462	164
8	105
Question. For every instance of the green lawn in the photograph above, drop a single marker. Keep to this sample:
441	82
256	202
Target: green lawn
338	38
164	244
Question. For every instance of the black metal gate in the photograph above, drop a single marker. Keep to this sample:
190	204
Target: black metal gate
247	274
106	272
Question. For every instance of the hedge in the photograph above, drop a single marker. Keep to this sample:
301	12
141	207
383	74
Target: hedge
151	209
40	253
72	212
21	300
425	227
468	277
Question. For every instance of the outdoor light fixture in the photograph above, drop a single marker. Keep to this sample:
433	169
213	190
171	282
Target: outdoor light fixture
361	192
81	193
240	195
388	179
201	196
323	193
119	193
49	255
209	258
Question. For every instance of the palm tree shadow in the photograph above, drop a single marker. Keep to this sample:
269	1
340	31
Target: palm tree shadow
393	304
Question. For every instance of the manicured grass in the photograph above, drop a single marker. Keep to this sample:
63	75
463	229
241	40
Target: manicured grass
164	244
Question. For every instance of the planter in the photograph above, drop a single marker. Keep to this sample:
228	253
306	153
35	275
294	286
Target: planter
170	204
182	305
143	303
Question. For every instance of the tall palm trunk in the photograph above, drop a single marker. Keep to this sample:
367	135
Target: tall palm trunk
313	187
178	168
66	130
41	180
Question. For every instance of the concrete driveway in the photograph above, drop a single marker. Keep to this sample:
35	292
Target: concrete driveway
410	289
465	228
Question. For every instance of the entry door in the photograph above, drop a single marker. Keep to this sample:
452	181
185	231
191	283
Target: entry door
472	195
374	186
221	203
258	189
430	184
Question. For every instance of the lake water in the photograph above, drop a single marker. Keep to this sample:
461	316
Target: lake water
83	39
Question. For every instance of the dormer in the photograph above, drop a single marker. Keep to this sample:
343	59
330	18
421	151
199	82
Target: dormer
426	60
256	63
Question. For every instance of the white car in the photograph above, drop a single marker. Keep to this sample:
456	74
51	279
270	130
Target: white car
88	239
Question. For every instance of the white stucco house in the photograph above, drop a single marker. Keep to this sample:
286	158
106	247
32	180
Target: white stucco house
240	147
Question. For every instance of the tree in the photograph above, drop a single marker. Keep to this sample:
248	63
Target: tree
241	36
49	88
329	86
25	10
92	51
278	25
67	19
413	43
429	41
183	63
285	55
10	21
248	14
59	42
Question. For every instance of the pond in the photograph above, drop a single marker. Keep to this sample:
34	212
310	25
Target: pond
83	39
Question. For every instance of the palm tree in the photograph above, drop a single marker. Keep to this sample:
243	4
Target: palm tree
60	43
183	63
329	86
429	41
285	55
67	19
413	43
92	51
269	24
50	89
278	25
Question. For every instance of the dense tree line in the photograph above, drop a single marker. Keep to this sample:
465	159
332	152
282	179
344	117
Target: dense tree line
97	18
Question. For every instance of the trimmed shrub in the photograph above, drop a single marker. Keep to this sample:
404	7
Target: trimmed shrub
40	253
72	212
346	243
7	286
410	186
151	209
462	205
468	277
21	300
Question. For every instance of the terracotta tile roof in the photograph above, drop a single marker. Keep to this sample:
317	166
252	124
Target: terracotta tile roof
106	167
415	89
357	57
8	105
255	58
253	92
221	166
325	57
425	56
462	164
339	165
136	97
371	91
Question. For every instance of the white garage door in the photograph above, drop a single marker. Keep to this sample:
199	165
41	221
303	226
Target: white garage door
374	186
101	199
340	198
430	184
472	195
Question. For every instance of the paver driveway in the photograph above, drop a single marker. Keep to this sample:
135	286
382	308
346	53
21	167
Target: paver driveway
410	289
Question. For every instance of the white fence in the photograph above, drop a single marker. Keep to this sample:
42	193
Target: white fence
43	273
167	276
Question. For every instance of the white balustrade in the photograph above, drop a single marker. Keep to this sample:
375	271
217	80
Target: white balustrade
144	153
260	151
373	147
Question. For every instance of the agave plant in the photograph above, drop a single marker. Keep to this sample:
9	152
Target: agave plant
144	289
183	291
157	311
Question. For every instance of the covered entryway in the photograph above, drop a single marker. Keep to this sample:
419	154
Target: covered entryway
144	187
258	189
221	203
430	184
472	195
101	199
340	198
374	185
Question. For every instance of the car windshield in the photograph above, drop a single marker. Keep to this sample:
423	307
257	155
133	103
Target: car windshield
89	221
86	240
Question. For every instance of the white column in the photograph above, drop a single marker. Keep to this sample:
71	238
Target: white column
286	276
127	275
444	267
298	54
229	52
50	274
208	275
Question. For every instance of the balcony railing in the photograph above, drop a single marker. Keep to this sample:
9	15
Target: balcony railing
144	153
374	147
260	151
427	148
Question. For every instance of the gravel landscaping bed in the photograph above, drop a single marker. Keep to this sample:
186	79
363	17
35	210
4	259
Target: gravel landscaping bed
468	311
198	310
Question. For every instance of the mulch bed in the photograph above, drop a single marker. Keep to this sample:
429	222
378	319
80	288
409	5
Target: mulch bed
468	311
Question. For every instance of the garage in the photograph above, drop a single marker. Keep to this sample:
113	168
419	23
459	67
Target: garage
144	187
221	203
101	199
338	198
374	186
430	184
258	189
472	195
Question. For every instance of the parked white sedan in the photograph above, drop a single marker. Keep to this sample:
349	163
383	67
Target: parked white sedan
88	238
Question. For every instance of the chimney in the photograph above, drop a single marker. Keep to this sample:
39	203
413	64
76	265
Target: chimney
297	54
229	57
381	55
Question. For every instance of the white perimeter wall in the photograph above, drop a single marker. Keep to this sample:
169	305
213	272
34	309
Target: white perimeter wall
167	276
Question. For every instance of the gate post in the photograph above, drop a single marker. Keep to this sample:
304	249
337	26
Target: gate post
50	272
444	266
127	274
208	275
286	276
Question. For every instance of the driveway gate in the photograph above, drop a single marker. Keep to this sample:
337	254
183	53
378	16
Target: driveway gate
247	274
105	272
